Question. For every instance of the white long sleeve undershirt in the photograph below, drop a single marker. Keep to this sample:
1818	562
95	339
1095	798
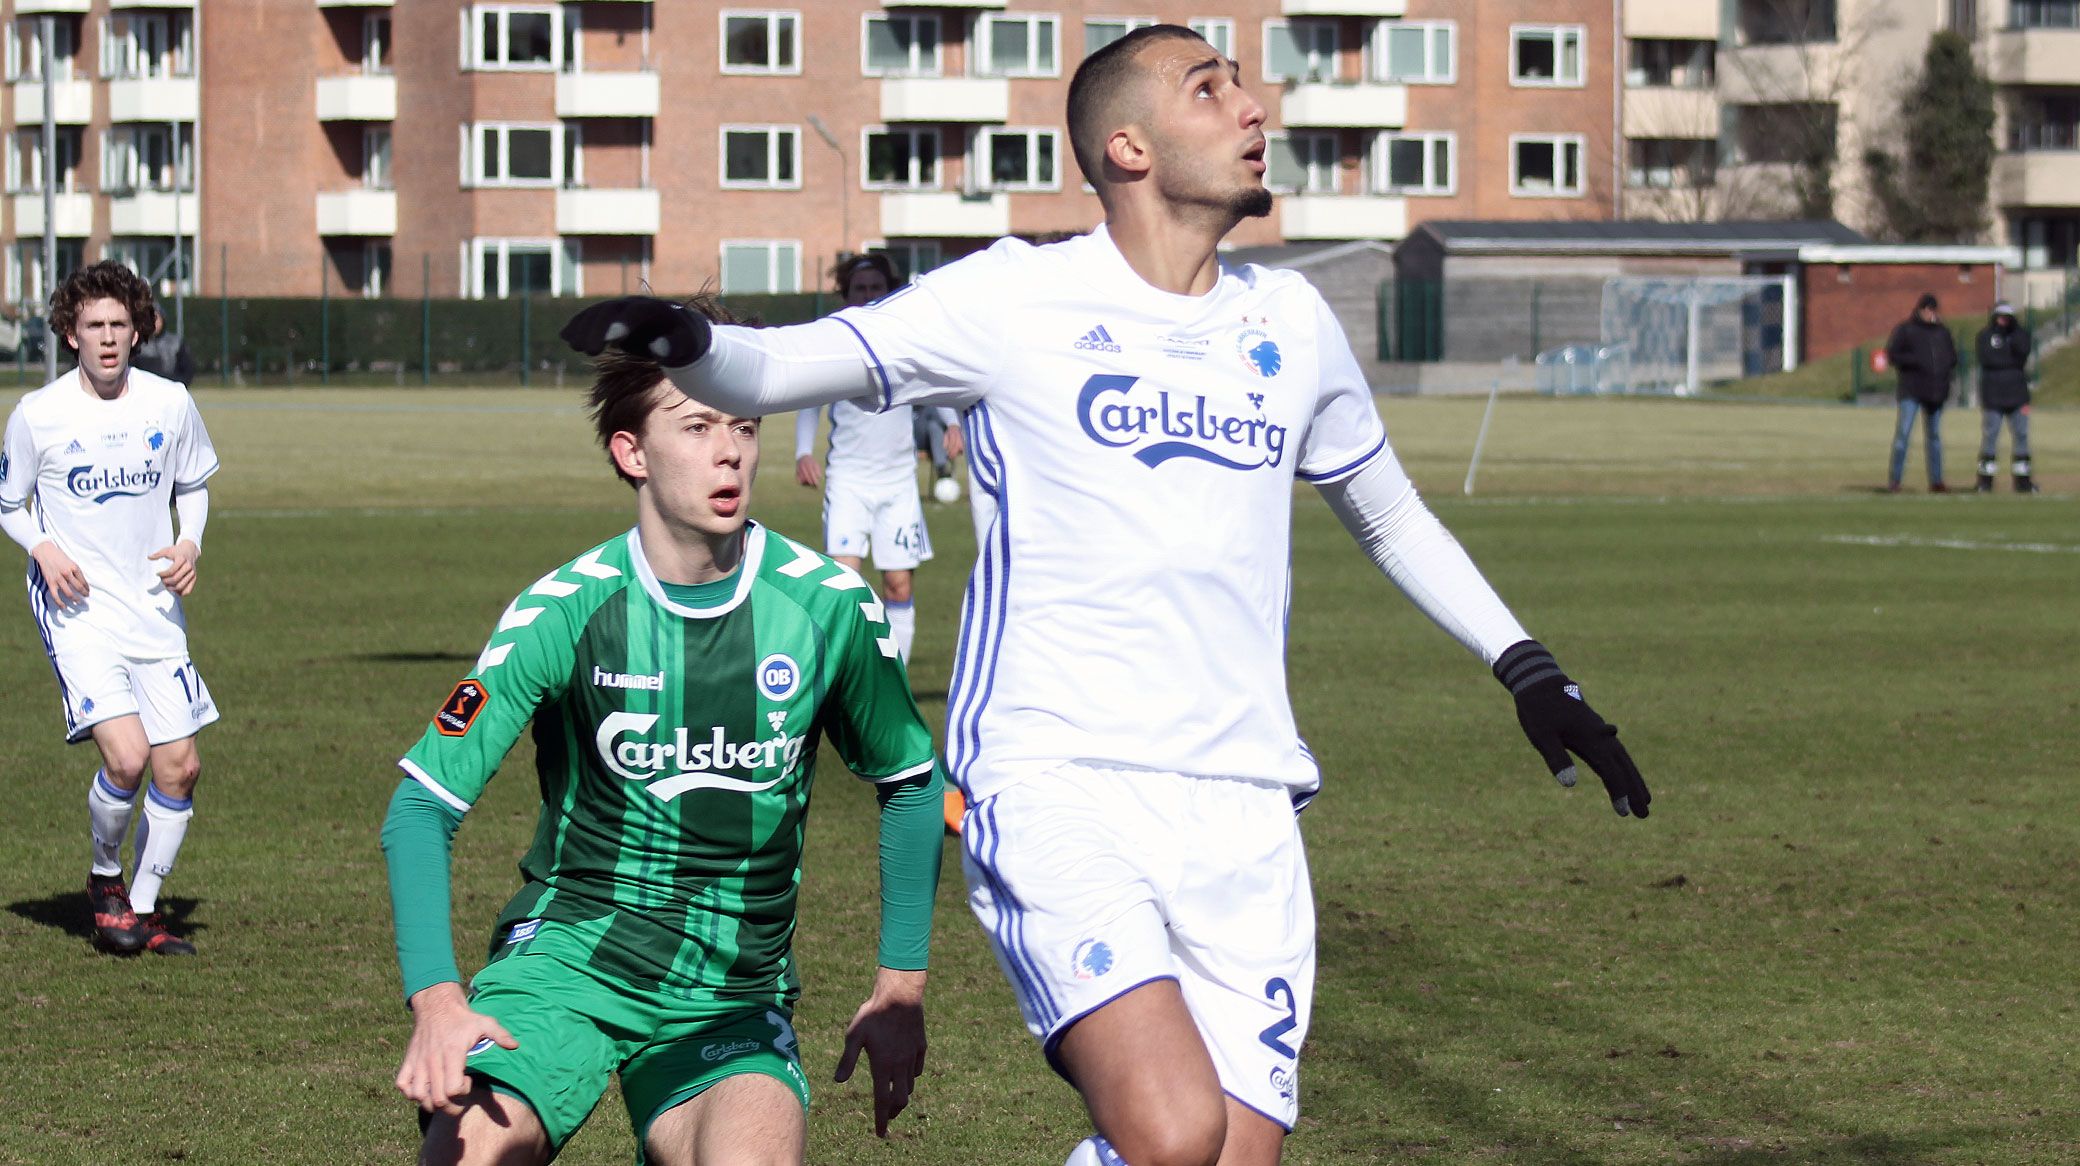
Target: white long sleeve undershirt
191	507
20	526
1400	534
752	372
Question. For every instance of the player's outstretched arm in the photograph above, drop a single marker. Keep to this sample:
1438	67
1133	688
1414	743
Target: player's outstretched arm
745	372
889	1028
1558	721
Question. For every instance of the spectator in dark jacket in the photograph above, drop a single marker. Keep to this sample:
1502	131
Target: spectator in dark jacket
1926	358
166	354
2004	396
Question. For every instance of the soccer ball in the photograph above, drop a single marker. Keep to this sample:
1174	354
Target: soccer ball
947	490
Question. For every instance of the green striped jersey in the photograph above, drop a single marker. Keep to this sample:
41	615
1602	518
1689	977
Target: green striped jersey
675	747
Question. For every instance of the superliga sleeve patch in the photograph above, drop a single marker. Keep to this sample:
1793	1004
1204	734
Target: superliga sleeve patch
460	710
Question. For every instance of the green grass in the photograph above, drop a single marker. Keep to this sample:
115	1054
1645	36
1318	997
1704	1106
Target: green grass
1846	936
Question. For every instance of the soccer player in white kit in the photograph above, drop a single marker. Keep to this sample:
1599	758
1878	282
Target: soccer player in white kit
1118	717
91	462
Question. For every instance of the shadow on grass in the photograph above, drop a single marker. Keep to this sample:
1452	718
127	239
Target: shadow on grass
409	657
69	912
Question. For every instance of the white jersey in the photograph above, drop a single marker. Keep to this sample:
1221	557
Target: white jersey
1129	605
101	476
869	447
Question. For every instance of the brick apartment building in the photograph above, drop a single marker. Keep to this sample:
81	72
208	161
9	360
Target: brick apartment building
294	147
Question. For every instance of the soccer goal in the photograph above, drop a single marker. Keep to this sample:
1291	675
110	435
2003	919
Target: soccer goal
1680	334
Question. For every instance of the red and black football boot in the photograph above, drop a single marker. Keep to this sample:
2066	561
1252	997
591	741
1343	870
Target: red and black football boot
160	941
115	924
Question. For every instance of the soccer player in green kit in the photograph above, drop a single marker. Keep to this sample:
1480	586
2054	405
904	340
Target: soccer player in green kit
678	678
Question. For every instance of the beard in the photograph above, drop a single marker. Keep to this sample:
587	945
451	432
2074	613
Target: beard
1252	204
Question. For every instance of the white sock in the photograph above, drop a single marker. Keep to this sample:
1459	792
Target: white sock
108	817
160	830
1094	1151
902	620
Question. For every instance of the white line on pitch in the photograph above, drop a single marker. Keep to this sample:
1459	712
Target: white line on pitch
1949	544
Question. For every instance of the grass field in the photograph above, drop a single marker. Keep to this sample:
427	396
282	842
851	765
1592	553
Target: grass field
1846	936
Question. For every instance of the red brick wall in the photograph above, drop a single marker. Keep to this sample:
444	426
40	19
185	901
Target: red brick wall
1845	305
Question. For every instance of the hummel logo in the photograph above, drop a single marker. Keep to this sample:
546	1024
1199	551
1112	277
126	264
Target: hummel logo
1097	340
775	720
75	447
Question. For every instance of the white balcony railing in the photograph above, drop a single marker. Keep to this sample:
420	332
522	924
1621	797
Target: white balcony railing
605	94
153	212
1365	106
72	102
1344	7
73	215
946	99
608	212
158	99
1339	216
357	212
942	213
357	97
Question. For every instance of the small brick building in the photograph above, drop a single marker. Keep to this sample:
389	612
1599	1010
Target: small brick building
1852	294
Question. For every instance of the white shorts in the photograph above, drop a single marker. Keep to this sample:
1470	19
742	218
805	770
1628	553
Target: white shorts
887	520
1093	881
100	684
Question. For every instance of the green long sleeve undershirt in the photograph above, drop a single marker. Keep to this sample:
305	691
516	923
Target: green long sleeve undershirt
419	833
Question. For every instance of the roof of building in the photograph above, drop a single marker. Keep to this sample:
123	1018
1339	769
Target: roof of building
1463	235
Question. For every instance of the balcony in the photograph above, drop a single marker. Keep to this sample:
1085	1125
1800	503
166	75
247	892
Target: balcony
73	215
1344	7
355	3
162	4
1337	216
1671	113
153	212
2035	56
945	99
32	7
357	212
155	99
1673	20
357	97
71	101
606	94
1776	74
943	213
2046	178
1365	105
608	212
942	3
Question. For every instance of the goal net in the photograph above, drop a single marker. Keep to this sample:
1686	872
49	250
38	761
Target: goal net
1683	334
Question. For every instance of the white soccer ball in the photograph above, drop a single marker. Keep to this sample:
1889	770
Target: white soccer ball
947	490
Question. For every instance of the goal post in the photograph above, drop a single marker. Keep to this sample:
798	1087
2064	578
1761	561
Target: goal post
1683	333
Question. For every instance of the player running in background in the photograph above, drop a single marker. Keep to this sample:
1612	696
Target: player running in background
90	464
678	678
1119	717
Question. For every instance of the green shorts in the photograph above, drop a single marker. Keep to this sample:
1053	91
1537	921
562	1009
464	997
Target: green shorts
575	1028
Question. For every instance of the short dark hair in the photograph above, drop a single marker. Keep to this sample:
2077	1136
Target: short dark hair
852	265
1096	92
106	280
624	387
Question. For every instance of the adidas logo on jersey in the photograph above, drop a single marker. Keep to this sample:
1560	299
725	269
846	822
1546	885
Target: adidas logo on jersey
601	678
1097	340
75	447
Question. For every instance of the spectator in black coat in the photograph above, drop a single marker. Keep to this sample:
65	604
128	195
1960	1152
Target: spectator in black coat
1926	358
166	354
2004	348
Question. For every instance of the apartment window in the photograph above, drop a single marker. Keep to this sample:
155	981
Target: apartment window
761	265
1545	165
912	257
1301	161
2044	13
25	160
900	45
143	157
761	42
147	45
1100	31
1021	45
1219	32
1299	50
1670	64
761	157
514	154
2044	122
1671	163
25	47
1019	159
521	38
502	268
903	158
25	282
1777	22
364	265
1546	55
375	42
1413	163
1414	52
1787	132
375	158
2046	240
154	258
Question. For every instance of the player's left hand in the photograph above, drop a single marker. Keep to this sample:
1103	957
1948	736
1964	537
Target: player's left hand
1557	720
889	1027
179	572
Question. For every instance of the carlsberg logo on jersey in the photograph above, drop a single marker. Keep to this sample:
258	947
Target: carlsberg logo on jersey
1169	425
671	768
100	483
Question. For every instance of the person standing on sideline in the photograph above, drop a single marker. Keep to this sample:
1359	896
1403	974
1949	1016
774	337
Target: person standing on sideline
2004	347
870	501
678	678
1119	717
91	463
165	354
1925	356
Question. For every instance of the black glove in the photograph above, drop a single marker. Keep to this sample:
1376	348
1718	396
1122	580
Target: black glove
1556	719
666	332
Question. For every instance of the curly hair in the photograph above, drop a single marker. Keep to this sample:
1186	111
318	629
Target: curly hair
106	280
624	388
852	265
